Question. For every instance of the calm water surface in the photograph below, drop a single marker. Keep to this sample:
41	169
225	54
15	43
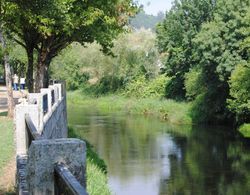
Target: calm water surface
148	157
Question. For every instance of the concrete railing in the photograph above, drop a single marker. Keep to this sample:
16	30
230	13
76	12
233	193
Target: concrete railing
42	145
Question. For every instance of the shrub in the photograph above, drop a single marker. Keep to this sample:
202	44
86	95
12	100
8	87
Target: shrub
192	84
175	88
142	88
245	130
239	102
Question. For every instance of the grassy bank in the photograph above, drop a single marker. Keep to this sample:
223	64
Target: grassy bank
169	110
96	170
6	142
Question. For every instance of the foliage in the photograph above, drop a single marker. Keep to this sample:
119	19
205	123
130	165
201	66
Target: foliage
245	130
48	27
174	37
193	78
143	88
143	20
96	180
240	93
107	74
204	42
217	51
167	110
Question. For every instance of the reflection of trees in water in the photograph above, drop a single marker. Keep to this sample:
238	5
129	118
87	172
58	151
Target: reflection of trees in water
201	161
212	163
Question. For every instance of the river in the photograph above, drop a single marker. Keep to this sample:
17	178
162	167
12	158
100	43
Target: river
146	156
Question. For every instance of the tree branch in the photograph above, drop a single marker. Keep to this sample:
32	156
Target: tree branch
19	42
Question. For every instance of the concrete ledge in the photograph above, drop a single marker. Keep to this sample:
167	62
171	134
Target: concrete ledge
43	155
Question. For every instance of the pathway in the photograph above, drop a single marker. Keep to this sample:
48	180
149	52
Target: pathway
7	181
3	98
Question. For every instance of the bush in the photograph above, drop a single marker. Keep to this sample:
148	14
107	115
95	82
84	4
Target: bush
108	84
203	112
239	102
143	88
175	88
245	130
192	84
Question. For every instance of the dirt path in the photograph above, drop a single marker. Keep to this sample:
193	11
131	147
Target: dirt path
7	178
3	98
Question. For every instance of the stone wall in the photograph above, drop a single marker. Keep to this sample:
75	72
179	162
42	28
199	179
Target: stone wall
55	125
47	111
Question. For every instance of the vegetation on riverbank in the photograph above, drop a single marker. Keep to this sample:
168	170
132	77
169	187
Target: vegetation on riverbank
202	58
169	110
96	169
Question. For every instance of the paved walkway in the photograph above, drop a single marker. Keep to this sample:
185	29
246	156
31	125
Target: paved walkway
3	98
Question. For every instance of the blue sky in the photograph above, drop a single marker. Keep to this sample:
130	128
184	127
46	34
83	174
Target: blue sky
155	5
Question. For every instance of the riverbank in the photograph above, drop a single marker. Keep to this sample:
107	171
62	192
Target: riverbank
96	169
167	110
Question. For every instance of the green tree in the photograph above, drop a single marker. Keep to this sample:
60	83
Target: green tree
239	101
143	20
6	62
175	38
135	55
218	50
49	26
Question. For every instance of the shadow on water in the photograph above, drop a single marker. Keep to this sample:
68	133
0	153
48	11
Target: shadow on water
147	156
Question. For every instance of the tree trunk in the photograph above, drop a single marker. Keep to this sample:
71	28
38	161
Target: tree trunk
29	73
8	78
42	72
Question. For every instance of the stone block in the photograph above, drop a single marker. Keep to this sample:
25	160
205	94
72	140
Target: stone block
43	155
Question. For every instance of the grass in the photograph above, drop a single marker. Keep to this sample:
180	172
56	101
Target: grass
245	130
6	142
96	180
169	110
96	169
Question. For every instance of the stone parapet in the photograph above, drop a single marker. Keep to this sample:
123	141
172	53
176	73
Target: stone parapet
42	145
48	113
44	154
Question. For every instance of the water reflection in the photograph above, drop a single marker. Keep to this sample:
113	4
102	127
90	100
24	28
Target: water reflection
147	156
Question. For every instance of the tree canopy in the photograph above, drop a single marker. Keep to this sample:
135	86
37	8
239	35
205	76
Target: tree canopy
49	26
207	48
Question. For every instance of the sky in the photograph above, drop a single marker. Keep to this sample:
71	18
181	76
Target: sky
154	6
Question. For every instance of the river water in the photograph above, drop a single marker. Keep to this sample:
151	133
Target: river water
146	156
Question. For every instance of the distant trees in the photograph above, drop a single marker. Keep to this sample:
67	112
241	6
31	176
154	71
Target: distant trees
45	28
136	57
208	57
146	21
